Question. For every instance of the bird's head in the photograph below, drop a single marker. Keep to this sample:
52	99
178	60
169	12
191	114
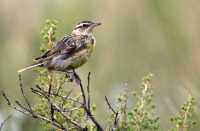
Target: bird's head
85	27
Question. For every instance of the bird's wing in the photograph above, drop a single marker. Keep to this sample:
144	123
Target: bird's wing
65	46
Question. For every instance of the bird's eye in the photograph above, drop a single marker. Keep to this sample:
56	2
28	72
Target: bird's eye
84	25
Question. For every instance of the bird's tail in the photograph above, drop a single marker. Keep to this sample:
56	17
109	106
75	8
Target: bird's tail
30	67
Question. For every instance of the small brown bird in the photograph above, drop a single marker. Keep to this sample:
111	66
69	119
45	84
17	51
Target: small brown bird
70	52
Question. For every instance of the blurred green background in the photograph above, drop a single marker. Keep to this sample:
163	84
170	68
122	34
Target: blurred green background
137	37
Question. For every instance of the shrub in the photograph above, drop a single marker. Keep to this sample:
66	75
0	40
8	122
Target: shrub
60	108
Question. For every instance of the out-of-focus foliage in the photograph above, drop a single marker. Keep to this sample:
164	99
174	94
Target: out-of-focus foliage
48	35
142	117
184	119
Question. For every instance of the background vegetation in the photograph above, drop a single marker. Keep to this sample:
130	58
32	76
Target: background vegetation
137	37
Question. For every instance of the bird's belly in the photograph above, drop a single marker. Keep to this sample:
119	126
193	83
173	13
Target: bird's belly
75	61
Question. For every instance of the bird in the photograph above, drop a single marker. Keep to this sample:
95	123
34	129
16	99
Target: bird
69	53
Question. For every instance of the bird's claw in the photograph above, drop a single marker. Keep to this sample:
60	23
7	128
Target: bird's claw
72	76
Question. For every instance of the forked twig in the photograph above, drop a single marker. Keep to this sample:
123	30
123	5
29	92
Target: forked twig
115	123
22	91
29	112
85	106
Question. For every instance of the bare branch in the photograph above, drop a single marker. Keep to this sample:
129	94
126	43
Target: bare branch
109	105
29	112
4	122
52	112
112	109
43	93
83	93
43	118
85	107
22	91
99	127
50	76
54	107
76	124
88	90
5	97
70	110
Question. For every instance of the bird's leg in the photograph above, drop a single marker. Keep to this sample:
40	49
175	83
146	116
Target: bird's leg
69	75
77	78
73	76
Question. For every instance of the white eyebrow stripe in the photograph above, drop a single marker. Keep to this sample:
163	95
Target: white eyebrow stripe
81	24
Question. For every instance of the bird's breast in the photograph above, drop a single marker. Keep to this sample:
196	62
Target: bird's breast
79	58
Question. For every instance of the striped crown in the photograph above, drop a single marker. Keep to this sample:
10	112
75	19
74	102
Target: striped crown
84	24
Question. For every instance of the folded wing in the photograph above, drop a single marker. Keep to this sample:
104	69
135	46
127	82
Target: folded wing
65	46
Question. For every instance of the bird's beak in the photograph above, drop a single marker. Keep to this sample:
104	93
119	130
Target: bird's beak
96	24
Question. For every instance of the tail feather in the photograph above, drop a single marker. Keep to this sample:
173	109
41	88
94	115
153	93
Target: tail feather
29	67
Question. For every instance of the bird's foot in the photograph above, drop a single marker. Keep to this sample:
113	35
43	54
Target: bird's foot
69	76
73	76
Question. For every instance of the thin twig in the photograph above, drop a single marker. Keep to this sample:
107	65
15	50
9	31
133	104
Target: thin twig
88	90
50	76
6	98
68	94
60	86
43	93
115	112
99	127
70	110
4	122
52	113
85	107
34	115
64	100
76	124
109	105
54	123
22	91
54	107
28	111
81	86
83	94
